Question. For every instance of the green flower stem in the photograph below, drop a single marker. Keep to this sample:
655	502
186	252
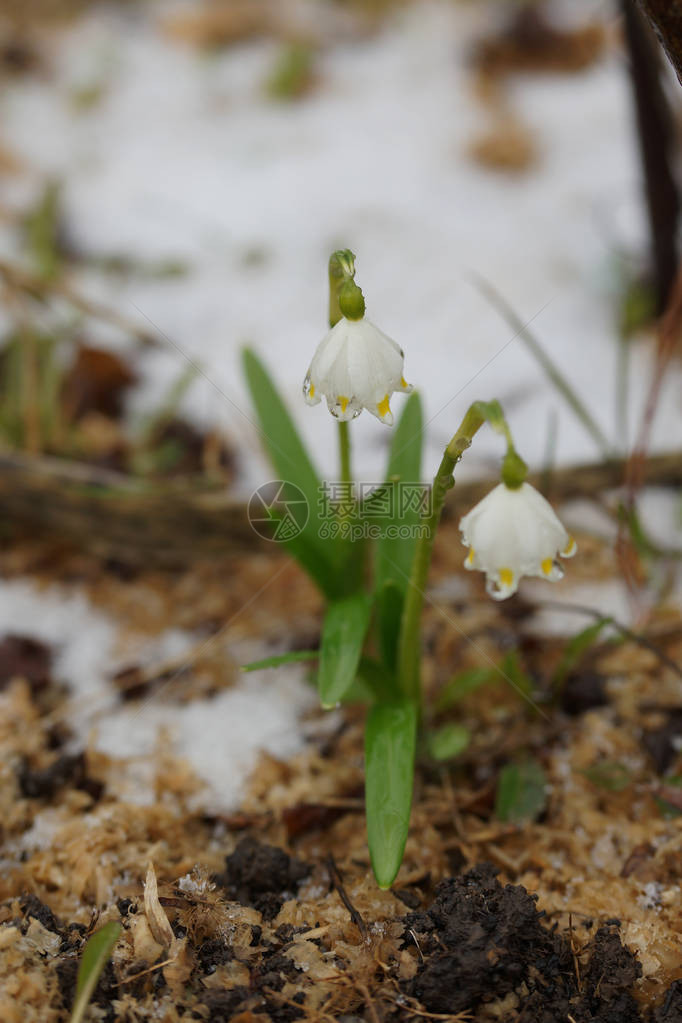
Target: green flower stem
409	646
344	452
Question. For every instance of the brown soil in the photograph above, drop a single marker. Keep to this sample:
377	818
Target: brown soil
272	909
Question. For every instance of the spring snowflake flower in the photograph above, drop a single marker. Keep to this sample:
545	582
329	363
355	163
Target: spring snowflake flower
356	366
514	532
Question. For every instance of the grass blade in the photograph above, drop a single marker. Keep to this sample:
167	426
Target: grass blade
292	657
463	683
574	650
96	954
552	371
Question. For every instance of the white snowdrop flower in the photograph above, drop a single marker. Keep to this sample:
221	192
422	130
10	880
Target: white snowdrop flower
356	366
514	532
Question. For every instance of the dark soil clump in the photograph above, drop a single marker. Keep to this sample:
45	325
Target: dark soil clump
261	876
583	691
482	941
31	906
66	769
24	657
661	743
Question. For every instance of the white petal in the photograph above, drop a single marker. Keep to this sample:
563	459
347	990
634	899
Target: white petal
357	366
514	532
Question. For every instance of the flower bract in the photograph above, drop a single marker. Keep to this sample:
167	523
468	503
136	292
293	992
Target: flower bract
356	366
514	532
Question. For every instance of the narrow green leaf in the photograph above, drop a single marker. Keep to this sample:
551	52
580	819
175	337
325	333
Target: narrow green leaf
292	464
521	792
513	672
390	742
41	226
343	635
292	657
404	503
448	741
463	683
153	424
96	954
551	369
396	552
575	648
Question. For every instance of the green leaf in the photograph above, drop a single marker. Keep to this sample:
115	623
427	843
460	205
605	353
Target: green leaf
610	775
390	599
377	682
575	648
449	741
290	460
343	636
515	675
390	743
399	527
289	658
463	683
96	954
521	792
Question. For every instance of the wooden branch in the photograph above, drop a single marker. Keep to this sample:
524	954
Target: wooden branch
163	525
666	18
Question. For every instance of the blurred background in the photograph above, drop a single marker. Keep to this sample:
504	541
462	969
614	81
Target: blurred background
174	176
173	179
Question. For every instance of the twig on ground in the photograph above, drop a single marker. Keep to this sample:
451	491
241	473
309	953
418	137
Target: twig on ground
337	883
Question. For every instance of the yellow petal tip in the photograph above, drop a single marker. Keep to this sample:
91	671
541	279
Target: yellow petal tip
383	407
506	577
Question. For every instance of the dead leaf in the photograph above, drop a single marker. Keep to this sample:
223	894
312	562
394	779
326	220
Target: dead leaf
158	921
96	382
